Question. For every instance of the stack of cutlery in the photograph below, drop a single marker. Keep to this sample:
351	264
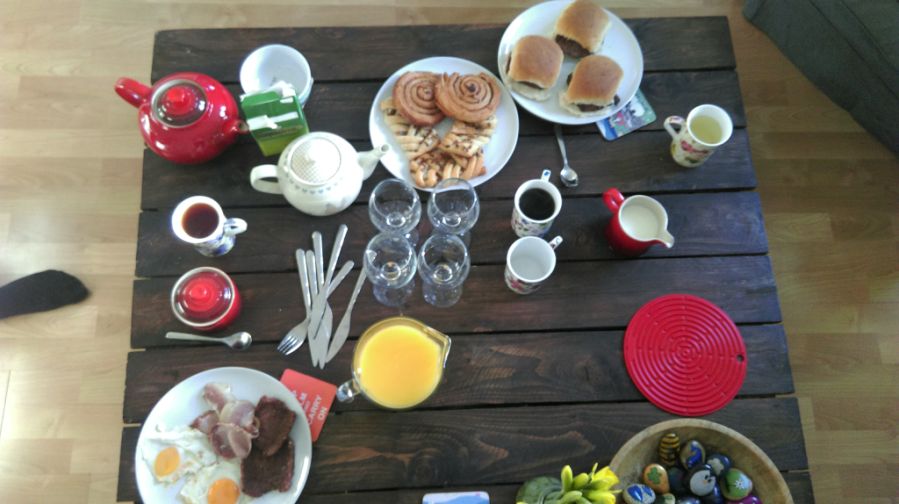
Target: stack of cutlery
318	324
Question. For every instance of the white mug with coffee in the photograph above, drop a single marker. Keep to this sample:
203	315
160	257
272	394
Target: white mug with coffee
537	203
695	138
529	262
199	221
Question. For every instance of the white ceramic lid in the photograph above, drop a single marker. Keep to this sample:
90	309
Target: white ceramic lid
314	159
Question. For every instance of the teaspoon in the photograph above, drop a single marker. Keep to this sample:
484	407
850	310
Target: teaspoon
568	176
237	341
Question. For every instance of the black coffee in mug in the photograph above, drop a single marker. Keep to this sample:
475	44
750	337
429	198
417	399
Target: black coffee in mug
537	204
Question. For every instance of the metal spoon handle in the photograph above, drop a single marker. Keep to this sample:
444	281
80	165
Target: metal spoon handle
335	252
304	279
344	271
558	130
191	337
319	258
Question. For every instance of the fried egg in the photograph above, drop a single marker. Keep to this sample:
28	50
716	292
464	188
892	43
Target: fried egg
173	454
215	484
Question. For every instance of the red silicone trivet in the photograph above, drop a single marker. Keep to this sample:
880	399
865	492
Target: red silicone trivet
685	355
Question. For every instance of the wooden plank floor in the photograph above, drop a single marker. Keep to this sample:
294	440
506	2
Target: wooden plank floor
70	190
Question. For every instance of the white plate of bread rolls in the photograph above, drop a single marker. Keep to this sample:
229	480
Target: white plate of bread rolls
570	62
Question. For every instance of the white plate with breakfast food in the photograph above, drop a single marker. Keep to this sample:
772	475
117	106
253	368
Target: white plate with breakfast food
226	435
443	118
542	47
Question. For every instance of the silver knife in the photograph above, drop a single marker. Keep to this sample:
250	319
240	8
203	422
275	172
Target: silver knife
343	329
318	309
322	334
328	317
344	271
313	290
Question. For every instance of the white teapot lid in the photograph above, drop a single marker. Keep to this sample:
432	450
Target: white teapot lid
314	159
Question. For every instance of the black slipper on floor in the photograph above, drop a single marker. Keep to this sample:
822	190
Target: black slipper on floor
39	292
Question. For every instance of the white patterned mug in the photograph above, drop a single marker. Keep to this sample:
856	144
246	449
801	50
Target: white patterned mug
537	203
529	262
199	221
695	138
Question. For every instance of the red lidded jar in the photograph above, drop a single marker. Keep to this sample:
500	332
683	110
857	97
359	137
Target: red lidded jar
205	299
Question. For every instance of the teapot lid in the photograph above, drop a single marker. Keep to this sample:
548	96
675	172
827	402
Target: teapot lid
315	159
179	103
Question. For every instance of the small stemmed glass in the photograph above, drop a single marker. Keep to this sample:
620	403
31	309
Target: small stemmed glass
395	208
453	208
390	264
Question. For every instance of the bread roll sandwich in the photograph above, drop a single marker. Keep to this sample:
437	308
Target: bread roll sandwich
592	86
581	28
534	66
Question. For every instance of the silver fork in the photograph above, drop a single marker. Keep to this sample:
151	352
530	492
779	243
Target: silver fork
294	338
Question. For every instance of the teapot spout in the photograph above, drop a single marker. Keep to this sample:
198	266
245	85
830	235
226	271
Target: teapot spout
132	91
666	239
369	160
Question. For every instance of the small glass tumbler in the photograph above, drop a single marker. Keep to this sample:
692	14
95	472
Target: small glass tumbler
454	208
443	264
394	207
390	265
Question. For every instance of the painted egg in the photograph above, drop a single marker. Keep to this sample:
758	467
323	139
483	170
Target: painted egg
656	477
735	484
700	480
720	463
639	494
692	453
669	447
676	481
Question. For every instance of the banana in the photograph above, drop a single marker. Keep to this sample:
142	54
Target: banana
566	478
580	481
570	497
601	497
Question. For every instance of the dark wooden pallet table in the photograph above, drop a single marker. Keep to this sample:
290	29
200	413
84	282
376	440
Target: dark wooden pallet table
532	383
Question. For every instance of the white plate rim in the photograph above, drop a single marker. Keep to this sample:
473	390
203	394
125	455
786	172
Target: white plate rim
535	107
380	134
300	433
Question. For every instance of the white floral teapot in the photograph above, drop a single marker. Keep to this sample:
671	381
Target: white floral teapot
319	173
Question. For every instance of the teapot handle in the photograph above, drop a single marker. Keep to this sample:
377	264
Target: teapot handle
263	172
132	91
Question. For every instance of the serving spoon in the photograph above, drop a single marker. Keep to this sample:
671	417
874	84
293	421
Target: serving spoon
237	341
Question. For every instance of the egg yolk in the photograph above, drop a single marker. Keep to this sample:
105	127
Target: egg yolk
167	461
223	491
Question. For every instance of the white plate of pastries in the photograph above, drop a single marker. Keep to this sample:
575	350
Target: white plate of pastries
553	40
444	117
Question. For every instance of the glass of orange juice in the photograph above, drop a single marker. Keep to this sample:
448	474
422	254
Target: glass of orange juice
397	364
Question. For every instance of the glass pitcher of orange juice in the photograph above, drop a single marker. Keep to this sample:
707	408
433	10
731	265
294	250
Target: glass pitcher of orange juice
398	363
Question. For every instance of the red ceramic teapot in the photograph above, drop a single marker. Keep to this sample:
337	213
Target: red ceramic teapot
186	117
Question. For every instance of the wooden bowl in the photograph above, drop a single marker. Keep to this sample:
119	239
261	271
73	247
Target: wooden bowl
642	449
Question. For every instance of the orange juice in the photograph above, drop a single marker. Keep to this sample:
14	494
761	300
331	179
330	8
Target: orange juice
398	364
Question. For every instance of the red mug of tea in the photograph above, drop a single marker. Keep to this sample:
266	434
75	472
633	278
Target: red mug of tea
638	222
199	221
205	299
